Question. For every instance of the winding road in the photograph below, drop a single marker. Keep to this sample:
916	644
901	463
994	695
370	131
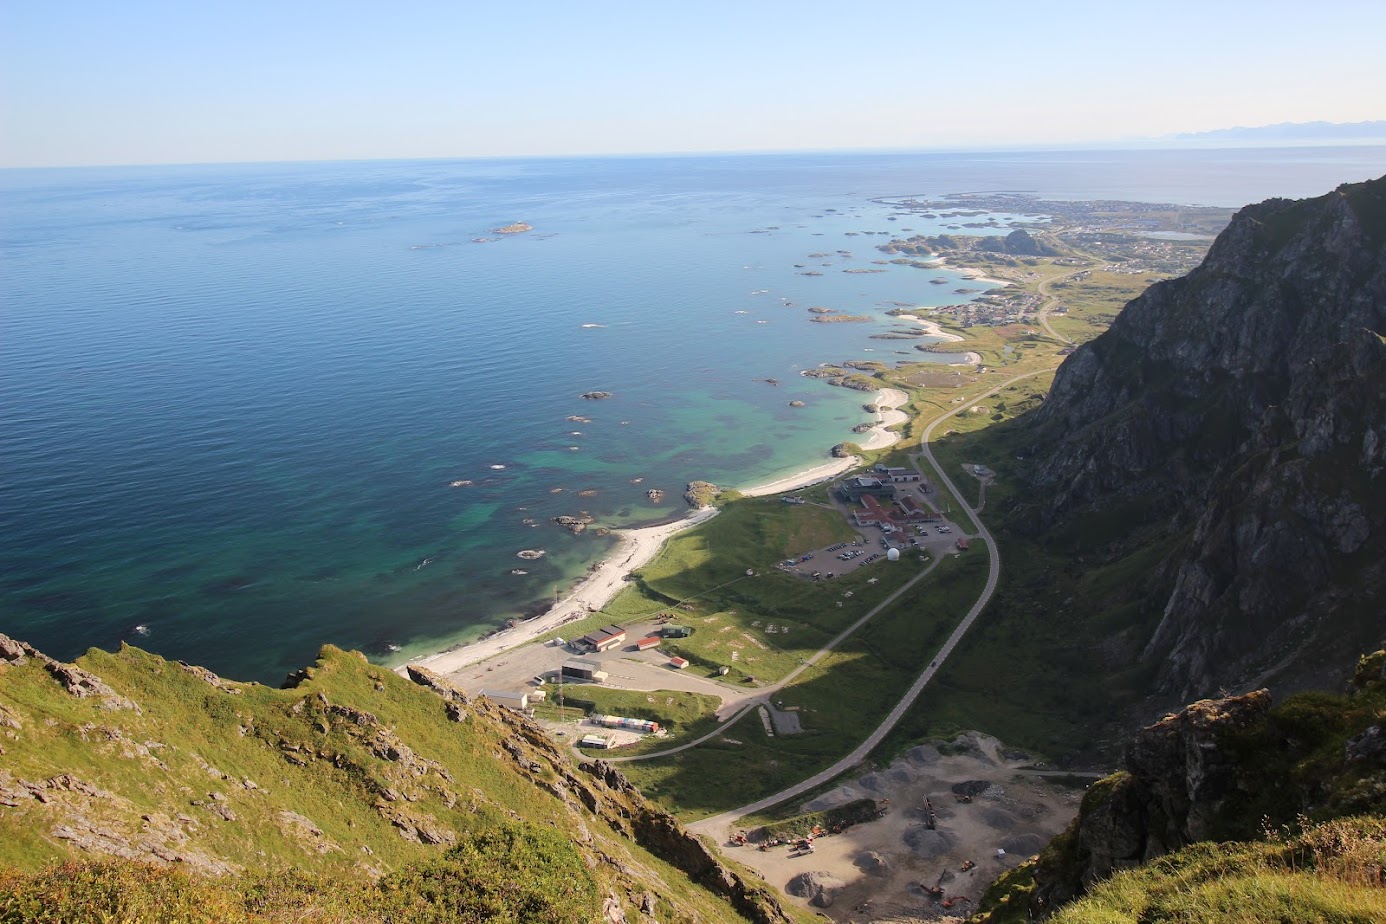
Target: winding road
1051	301
717	825
766	693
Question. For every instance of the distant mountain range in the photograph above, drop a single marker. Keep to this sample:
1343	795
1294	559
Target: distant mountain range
1294	131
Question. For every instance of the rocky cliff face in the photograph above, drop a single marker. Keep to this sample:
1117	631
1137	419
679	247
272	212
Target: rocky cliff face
1229	769
1178	774
1249	399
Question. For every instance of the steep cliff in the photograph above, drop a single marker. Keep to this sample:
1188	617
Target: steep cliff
1242	410
354	795
1226	789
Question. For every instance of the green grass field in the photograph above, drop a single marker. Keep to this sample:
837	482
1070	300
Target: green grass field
840	700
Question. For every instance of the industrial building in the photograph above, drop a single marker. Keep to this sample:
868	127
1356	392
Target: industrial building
644	726
896	474
581	669
516	701
604	639
855	488
597	741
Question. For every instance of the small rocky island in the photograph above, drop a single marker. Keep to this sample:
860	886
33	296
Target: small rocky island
575	525
518	227
595	396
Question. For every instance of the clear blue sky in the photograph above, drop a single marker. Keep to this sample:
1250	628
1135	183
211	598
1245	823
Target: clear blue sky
137	81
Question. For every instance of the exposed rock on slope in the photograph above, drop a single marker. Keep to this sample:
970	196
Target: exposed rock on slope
1229	769
350	774
1178	772
1248	401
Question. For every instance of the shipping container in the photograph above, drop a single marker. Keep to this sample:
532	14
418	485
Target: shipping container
643	726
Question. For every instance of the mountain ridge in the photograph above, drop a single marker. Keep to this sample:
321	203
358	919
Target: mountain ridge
1372	130
1243	408
365	783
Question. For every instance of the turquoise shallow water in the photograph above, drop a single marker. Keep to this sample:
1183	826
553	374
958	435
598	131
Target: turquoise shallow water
234	396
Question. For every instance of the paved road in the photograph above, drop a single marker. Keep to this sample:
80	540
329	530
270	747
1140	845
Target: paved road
717	825
1051	301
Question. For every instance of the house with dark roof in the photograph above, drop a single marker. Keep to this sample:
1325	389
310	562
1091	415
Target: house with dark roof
858	486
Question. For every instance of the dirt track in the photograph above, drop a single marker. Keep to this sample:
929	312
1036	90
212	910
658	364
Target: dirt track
885	866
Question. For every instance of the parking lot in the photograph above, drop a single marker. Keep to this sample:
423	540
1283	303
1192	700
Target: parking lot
870	547
519	669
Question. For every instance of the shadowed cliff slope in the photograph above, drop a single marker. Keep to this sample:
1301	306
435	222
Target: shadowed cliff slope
1221	802
1242	410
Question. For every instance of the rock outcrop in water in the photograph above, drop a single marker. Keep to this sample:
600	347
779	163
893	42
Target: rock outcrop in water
701	493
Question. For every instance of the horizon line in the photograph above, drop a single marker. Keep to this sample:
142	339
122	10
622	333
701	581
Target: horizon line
1143	144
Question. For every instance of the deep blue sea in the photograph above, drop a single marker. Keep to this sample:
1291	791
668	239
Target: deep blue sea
233	398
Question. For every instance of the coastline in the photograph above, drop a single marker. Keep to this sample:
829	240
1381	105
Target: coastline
638	546
973	274
934	330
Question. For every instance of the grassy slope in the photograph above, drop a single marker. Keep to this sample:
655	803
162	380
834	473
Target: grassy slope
189	752
1329	873
1332	873
840	700
1303	834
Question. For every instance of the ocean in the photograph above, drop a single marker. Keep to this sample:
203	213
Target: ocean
234	399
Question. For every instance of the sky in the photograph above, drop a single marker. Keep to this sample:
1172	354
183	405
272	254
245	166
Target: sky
87	82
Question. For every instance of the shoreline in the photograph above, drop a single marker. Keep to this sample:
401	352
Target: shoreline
932	328
973	274
888	400
639	545
636	547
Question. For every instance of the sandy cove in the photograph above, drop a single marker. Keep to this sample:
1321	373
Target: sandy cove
976	275
638	546
933	330
972	273
888	402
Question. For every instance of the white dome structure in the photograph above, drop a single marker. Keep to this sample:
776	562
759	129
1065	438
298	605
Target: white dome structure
893	555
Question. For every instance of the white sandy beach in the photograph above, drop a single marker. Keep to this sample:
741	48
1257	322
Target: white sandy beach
933	329
638	546
973	274
888	401
976	275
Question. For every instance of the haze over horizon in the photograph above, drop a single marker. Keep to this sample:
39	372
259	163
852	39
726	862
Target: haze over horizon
153	82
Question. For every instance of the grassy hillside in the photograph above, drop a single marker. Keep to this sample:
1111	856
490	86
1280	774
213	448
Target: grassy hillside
1282	818
1329	873
355	795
